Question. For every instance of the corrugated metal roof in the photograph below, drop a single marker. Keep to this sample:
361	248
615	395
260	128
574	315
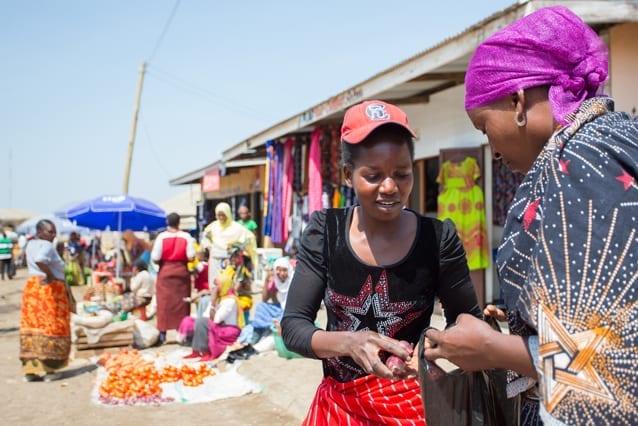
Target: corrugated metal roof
196	175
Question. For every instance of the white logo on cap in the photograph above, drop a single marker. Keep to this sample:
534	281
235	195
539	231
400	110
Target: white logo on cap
377	112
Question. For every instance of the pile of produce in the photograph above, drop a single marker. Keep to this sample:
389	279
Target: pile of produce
132	379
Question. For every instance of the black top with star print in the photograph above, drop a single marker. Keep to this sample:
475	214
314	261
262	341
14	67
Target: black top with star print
394	300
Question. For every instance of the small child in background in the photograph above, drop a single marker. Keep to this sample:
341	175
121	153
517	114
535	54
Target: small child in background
269	291
201	286
243	278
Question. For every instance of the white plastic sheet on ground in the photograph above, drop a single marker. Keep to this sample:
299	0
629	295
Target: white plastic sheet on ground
221	385
228	384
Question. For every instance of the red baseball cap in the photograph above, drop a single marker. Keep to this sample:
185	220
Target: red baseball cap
361	119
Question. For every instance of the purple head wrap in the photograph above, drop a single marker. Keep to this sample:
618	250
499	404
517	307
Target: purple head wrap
550	47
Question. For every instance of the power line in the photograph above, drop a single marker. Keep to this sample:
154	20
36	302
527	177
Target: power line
150	144
204	93
10	177
164	31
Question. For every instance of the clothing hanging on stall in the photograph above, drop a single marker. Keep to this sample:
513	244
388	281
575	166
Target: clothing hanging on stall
315	181
461	199
326	169
298	157
269	188
504	185
335	156
278	198
287	187
295	224
288	203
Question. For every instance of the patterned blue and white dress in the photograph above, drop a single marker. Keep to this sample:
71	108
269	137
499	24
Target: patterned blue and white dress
568	267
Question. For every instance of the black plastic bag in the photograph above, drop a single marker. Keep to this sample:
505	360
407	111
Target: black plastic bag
466	398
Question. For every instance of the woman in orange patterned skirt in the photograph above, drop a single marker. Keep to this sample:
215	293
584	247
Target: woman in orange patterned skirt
45	323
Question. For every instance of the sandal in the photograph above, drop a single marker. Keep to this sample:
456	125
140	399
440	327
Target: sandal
51	377
32	378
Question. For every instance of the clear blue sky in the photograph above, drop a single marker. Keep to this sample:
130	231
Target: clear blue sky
222	72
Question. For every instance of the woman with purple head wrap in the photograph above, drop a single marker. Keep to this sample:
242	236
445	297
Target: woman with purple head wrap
566	266
553	48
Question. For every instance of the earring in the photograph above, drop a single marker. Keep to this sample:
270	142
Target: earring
497	156
520	122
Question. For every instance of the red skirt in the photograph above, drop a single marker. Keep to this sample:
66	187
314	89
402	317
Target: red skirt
173	285
368	400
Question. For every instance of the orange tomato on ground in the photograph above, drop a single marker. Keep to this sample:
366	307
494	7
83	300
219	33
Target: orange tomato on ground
132	378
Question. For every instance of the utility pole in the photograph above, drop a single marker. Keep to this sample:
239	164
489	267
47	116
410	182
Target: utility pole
131	142
10	176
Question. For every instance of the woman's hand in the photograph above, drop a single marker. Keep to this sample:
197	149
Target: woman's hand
465	344
365	347
495	312
411	368
47	279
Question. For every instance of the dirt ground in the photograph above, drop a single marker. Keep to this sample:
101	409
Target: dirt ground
288	387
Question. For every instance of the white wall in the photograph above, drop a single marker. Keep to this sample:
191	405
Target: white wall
442	123
623	65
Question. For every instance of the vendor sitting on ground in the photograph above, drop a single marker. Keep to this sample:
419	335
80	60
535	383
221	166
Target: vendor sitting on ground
211	335
270	310
142	288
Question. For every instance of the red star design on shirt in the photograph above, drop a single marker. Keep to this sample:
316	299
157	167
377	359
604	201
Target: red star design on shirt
626	179
563	166
530	213
371	309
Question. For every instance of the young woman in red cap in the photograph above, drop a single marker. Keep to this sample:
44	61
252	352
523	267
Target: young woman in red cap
378	267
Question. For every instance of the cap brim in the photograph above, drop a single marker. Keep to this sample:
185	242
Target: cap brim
358	135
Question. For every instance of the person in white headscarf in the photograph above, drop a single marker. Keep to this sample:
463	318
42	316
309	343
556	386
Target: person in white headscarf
283	273
271	308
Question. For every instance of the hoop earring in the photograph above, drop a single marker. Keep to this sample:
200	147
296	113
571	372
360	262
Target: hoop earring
497	156
520	122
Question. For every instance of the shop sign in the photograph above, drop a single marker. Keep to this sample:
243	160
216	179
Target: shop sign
211	181
331	106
